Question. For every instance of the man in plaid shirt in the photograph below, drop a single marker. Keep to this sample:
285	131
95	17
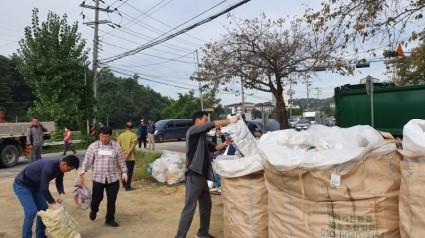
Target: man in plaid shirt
102	156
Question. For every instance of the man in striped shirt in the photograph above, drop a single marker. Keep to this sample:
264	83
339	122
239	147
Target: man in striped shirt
103	156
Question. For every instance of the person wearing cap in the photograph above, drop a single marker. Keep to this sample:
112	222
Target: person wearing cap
198	171
128	140
103	156
142	133
31	186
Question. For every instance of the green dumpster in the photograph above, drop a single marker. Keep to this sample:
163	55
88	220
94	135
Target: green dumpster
393	106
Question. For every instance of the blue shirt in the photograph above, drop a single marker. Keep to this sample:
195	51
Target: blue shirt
38	175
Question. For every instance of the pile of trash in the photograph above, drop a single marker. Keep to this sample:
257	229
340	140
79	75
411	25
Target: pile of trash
168	168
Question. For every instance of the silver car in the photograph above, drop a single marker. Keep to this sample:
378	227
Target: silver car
302	124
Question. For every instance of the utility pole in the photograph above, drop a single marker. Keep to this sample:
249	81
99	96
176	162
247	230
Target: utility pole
200	87
243	97
318	93
307	83
95	44
290	93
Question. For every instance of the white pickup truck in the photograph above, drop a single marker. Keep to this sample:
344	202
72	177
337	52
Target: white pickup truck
13	141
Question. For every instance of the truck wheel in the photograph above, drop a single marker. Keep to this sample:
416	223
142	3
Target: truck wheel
9	156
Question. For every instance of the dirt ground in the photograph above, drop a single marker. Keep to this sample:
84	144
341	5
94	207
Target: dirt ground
152	210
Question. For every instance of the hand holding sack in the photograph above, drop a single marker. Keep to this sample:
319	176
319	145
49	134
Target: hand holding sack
82	194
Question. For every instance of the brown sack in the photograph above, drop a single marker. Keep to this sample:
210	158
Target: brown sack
412	199
303	204
245	206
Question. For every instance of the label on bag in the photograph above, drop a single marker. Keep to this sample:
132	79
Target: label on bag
335	180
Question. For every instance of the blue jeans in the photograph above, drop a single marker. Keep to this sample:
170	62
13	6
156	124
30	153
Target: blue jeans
32	200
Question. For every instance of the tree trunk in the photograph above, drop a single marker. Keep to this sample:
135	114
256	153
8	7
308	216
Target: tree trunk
281	112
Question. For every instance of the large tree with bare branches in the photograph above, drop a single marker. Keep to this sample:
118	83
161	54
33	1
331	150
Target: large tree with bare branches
264	55
355	22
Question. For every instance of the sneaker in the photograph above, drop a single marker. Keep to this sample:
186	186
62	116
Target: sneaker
92	215
111	224
129	189
207	236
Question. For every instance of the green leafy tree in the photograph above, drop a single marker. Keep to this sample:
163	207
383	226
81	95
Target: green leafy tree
5	82
52	61
410	69
263	54
123	99
187	104
16	96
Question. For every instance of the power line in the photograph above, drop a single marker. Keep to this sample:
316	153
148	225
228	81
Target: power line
151	44
151	80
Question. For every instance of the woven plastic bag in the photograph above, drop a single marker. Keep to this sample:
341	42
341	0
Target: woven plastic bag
82	194
59	223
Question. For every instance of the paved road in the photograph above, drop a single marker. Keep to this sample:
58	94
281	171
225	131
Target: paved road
5	173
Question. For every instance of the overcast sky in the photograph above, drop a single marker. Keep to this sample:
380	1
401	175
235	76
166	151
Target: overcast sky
167	67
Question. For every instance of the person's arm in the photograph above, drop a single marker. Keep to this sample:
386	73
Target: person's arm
220	123
59	183
44	129
120	158
29	134
220	146
45	176
88	159
67	135
133	144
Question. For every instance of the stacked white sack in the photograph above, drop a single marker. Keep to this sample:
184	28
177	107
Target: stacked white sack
337	149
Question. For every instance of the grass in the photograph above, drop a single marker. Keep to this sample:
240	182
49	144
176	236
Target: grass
143	159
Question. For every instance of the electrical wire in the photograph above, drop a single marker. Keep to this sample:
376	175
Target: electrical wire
151	44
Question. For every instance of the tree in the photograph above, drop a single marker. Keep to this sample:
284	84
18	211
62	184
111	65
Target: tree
15	97
262	54
52	60
5	81
410	69
187	104
355	22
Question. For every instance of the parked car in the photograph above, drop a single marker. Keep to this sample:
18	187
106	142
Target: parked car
302	124
273	125
330	121
171	129
291	123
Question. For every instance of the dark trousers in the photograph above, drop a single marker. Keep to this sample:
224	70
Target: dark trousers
130	168
68	146
36	153
142	139
196	191
111	195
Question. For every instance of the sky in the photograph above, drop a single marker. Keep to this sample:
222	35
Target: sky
166	67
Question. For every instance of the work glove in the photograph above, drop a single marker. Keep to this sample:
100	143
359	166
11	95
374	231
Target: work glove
56	205
82	172
234	119
124	178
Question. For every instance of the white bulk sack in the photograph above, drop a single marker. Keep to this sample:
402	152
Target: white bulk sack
414	139
242	138
321	148
234	166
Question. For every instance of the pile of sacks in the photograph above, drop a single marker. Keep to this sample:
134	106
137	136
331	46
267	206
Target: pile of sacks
324	182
